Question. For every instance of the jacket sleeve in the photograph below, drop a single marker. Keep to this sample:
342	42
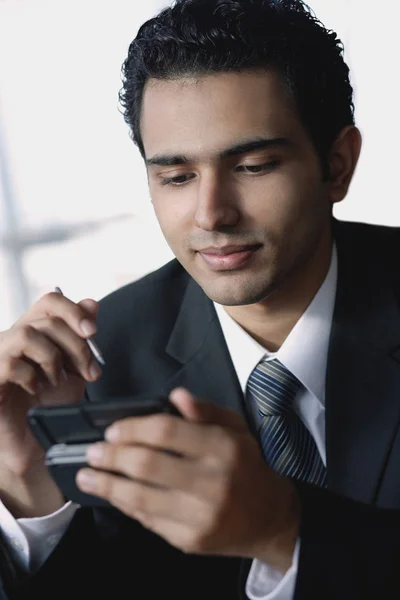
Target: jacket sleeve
349	550
76	561
9	572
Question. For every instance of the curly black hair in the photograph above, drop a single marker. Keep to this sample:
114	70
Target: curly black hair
200	37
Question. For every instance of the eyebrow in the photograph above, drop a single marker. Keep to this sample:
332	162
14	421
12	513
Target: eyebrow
168	160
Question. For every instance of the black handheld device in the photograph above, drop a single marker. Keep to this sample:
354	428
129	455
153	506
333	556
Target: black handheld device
66	431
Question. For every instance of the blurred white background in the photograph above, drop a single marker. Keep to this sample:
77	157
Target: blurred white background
69	171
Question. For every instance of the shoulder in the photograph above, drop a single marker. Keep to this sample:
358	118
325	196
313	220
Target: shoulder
164	280
156	295
366	232
379	242
372	250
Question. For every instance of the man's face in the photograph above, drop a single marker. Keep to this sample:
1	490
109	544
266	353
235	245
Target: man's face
235	182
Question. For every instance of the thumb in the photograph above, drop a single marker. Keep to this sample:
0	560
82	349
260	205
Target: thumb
201	411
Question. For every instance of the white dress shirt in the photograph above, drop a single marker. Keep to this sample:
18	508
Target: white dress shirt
304	353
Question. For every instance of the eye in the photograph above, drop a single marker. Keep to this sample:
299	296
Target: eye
177	181
259	169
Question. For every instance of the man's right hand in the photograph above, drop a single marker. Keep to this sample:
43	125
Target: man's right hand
44	359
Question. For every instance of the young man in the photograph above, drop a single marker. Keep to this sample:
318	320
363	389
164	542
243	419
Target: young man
283	320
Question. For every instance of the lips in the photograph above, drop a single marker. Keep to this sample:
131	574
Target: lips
229	258
225	250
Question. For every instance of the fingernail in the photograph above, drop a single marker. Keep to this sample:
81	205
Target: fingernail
94	370
86	479
95	453
64	374
112	433
88	327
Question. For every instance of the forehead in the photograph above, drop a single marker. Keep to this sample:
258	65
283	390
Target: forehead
200	116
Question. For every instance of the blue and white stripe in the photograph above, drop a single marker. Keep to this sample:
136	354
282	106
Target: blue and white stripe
288	446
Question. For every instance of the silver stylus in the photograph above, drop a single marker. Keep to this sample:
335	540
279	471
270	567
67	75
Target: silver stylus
95	350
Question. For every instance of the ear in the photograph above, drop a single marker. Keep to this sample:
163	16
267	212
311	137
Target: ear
343	160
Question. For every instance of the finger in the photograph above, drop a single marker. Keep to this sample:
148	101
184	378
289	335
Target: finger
210	443
76	355
90	306
57	305
129	496
201	411
161	432
31	346
133	496
154	468
21	373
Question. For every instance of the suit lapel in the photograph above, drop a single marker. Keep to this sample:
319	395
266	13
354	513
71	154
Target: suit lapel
363	378
197	342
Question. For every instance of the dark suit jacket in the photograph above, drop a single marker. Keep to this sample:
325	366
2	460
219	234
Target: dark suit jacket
162	332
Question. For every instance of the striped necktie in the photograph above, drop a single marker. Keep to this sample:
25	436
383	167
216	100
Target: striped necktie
288	446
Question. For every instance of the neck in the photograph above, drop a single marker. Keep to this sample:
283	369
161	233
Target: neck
270	321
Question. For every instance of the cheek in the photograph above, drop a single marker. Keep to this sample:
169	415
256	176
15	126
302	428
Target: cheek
173	217
291	209
295	195
275	203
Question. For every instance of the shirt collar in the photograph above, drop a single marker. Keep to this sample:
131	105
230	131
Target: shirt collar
305	350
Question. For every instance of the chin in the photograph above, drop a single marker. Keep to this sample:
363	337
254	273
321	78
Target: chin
237	294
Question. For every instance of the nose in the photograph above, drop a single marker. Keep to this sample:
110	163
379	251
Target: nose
215	205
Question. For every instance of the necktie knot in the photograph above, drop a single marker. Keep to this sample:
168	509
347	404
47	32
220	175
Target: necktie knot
273	387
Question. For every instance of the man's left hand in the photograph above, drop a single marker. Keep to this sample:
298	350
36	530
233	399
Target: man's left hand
210	493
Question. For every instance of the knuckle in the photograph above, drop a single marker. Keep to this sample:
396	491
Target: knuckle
106	487
10	364
109	456
217	434
30	377
138	500
231	451
145	464
52	322
53	354
25	333
4	335
164	430
130	499
45	303
49	296
51	360
44	300
222	440
194	543
223	492
194	484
